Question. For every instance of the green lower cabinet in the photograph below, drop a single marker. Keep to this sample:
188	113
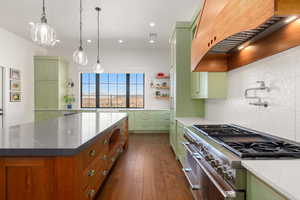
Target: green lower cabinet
258	190
172	135
152	121
209	85
180	152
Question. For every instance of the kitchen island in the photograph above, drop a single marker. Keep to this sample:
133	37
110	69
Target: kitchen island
63	158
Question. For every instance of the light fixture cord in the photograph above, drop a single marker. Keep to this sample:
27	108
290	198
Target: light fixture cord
80	34
98	57
44	9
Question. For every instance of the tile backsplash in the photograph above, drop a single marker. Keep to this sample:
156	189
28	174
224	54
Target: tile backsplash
281	73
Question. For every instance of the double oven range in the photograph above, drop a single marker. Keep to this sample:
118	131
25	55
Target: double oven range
214	154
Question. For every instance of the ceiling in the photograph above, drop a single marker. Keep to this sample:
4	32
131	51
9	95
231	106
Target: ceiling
120	19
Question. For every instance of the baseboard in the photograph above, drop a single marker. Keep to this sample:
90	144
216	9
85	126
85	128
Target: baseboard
135	131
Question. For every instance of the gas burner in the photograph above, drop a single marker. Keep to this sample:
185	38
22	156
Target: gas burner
249	144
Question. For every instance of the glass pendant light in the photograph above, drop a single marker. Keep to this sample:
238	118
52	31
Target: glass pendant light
97	67
42	33
79	56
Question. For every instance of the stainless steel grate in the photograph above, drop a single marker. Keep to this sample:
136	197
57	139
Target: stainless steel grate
238	39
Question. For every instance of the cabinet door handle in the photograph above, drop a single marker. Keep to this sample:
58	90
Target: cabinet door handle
105	141
92	153
113	159
104	157
91	193
91	172
104	173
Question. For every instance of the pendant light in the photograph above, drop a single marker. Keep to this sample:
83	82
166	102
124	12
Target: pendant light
97	67
42	33
79	56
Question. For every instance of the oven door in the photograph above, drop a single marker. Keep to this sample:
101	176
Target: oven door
196	178
204	182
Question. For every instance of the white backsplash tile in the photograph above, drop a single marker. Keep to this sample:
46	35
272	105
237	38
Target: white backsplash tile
281	73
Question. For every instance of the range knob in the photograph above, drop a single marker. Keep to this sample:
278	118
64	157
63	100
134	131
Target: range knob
228	175
215	163
208	157
221	170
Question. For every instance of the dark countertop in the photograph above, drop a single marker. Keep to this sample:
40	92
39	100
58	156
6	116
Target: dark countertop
63	136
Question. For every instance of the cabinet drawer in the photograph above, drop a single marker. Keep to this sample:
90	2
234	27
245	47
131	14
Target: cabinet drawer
93	152
95	171
90	192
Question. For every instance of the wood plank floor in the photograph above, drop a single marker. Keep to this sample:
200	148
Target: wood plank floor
147	171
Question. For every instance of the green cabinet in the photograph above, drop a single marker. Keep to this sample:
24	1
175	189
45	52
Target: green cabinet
208	85
257	189
46	115
173	135
180	150
143	121
182	105
151	120
50	78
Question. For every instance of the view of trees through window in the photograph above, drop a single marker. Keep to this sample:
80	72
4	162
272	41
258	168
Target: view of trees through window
112	90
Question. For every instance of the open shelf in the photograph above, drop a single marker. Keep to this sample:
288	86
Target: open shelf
162	77
162	87
161	97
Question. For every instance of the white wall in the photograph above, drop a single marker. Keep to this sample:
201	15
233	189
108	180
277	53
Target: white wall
281	72
16	52
119	60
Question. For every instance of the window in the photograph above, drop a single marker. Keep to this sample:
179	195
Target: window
112	90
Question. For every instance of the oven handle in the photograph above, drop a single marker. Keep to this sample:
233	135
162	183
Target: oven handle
188	170
226	194
185	144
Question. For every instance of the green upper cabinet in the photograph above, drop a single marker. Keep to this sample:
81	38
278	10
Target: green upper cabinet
50	77
208	85
182	105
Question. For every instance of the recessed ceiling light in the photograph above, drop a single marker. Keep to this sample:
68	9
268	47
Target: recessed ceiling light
31	23
152	24
152	38
89	41
290	19
121	41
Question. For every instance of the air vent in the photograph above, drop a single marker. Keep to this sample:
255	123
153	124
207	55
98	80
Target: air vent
232	42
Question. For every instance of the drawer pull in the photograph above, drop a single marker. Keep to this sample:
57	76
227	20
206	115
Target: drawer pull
92	153
113	159
105	141
91	172
104	157
105	172
91	193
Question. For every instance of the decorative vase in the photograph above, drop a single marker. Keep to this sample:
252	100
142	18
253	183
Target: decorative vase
69	106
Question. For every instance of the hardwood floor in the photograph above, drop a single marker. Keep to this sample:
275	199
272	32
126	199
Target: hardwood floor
147	171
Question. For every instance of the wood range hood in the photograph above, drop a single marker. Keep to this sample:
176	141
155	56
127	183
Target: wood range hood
233	33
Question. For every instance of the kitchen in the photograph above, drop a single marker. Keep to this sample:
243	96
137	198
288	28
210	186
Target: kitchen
199	103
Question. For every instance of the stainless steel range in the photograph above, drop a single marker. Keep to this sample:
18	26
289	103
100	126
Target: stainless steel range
214	153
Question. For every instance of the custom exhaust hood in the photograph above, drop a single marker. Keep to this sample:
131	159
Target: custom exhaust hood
226	27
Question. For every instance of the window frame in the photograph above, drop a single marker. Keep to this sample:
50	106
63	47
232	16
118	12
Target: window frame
97	95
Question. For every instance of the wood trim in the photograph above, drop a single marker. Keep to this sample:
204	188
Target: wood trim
287	7
213	63
285	38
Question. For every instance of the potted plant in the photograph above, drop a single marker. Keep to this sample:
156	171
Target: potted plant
69	99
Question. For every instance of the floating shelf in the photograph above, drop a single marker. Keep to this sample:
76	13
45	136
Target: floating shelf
162	77
162	87
162	97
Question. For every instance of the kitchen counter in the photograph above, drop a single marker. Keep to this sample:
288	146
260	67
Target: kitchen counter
281	175
189	121
63	136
